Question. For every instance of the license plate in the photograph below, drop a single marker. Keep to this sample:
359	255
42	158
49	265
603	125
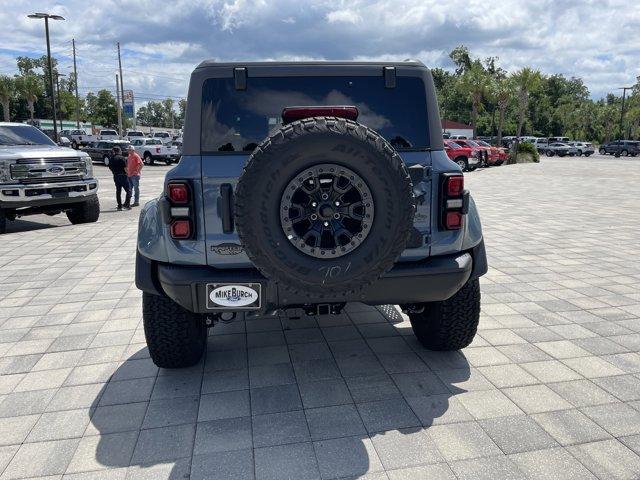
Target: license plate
233	296
59	192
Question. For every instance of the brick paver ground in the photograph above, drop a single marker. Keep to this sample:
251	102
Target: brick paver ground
549	389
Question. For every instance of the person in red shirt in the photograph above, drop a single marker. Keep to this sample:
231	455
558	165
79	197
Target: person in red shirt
134	168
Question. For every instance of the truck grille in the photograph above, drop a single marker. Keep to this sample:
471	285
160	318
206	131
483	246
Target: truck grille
48	170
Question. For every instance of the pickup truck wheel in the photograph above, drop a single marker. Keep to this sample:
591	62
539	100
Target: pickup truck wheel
74	144
105	160
624	153
602	151
168	161
450	324
579	153
85	212
550	153
176	337
3	222
306	212
148	159
462	163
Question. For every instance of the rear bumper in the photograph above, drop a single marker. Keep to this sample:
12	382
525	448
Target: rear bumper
434	279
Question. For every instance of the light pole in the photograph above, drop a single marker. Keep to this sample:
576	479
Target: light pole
46	17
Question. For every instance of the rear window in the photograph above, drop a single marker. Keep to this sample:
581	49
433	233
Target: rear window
236	121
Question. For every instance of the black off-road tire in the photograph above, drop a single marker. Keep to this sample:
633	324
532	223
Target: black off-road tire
602	151
3	222
176	338
281	158
85	212
450	324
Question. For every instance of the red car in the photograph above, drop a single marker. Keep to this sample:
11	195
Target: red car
499	154
487	157
467	158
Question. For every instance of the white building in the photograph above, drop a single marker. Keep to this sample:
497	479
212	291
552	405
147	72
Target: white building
456	128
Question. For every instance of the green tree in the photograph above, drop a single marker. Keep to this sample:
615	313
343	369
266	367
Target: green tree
461	58
474	84
501	92
101	108
31	88
525	81
7	89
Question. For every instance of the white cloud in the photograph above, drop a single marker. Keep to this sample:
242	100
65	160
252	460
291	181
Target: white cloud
163	41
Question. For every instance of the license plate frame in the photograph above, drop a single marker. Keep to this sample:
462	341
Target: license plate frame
228	304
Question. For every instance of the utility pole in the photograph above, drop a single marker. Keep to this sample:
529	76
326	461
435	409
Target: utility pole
75	78
118	107
121	82
58	75
624	92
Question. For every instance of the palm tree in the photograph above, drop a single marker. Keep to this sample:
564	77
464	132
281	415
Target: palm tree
474	84
525	81
501	92
30	87
7	86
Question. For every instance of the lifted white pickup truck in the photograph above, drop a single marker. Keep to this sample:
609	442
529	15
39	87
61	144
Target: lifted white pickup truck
39	177
152	150
79	138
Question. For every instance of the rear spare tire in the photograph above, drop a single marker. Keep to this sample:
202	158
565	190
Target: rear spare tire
324	206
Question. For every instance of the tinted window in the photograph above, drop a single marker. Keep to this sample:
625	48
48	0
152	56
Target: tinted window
23	135
235	120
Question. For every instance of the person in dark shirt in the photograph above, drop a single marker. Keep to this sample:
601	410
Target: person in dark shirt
118	165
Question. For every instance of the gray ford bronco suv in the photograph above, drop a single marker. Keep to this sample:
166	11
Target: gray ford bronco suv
306	186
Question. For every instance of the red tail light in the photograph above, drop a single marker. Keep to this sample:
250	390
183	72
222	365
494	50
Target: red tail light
454	186
178	193
291	114
453	220
181	229
453	201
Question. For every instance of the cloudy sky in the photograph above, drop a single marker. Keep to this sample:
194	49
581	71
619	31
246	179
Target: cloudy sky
162	41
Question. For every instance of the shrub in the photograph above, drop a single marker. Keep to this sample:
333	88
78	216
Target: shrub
526	148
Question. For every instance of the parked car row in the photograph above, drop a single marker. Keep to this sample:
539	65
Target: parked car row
80	138
620	147
150	149
472	154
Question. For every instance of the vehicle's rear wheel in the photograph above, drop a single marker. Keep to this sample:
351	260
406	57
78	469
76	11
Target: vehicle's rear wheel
550	153
462	163
624	153
168	161
579	153
85	212
74	144
306	212
450	324
602	151
3	222
105	160
148	159
176	337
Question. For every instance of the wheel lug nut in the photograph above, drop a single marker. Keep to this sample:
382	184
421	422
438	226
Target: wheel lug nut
336	216
314	204
314	216
325	196
337	204
326	224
